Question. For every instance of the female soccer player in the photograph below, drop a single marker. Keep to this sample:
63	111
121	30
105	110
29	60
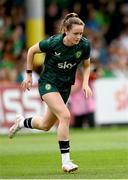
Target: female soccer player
63	54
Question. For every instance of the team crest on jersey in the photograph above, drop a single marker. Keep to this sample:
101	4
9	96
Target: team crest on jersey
48	86
78	54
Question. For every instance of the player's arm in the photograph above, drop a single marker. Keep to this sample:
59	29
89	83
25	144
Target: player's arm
86	73
30	55
27	83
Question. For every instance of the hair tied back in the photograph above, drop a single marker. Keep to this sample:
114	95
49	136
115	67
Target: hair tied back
71	15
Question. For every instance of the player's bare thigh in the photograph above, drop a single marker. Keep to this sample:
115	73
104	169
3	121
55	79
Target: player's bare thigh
56	104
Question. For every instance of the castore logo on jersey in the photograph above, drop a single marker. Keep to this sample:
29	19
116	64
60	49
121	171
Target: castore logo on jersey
57	54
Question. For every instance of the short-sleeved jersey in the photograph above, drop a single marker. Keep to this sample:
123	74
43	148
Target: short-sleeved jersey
61	61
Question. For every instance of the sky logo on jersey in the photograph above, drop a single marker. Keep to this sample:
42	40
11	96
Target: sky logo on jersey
66	65
78	54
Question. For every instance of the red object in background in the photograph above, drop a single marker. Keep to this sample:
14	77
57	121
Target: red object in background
14	101
93	76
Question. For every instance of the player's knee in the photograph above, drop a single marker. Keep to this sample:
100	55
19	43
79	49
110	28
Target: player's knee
65	116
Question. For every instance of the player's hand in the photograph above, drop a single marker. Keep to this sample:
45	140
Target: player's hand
87	91
27	82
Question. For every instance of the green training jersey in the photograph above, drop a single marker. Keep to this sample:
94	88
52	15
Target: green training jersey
61	61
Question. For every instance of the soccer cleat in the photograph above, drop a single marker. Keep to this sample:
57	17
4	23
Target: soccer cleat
69	167
15	127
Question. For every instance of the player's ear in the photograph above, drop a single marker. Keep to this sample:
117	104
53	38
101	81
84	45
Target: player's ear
65	30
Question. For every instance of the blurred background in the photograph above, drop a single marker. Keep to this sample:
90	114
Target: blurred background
25	22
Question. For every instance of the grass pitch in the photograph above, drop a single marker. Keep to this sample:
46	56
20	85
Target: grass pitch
100	154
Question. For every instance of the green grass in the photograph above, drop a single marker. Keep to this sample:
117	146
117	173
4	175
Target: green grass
100	154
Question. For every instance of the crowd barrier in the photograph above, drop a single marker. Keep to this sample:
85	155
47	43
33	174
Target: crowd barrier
13	101
111	96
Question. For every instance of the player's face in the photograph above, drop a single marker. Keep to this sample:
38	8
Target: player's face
74	34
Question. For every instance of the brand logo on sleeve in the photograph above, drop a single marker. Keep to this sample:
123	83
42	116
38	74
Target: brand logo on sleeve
57	54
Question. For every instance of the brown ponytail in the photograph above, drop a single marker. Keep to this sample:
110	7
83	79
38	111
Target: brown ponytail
69	20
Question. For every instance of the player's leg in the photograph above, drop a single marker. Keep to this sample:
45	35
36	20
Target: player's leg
44	123
58	107
36	122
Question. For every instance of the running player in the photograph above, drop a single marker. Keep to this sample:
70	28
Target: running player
64	52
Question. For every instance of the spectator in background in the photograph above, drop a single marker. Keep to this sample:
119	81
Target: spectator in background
12	38
99	51
1	49
118	21
100	17
20	67
4	76
51	16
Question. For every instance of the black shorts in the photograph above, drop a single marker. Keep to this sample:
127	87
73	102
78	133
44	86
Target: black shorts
47	87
